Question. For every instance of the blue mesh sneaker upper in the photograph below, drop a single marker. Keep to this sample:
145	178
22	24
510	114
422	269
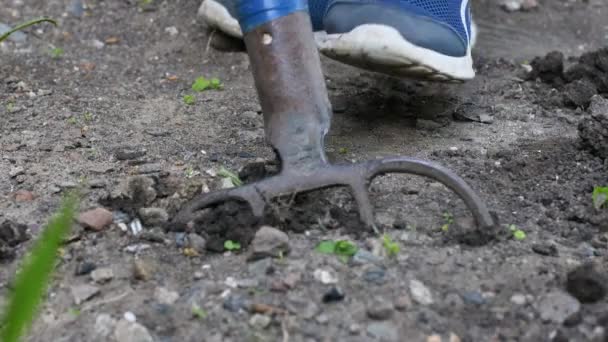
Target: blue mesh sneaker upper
443	26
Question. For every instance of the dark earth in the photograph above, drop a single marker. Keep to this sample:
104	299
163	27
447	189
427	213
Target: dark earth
106	113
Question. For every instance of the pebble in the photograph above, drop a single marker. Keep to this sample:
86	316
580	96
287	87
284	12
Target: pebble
131	332
141	270
363	257
104	325
473	297
403	303
325	276
518	299
197	242
82	293
433	338
322	319
384	331
269	242
130	317
333	295
24	196
380	309
16	171
172	31
376	276
149	168
557	307
420	293
259	321
96	219
102	275
164	296
152	217
84	268
234	303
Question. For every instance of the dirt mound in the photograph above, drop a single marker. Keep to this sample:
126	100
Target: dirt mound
577	82
593	129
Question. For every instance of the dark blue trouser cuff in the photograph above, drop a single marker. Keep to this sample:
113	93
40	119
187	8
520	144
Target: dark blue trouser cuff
253	13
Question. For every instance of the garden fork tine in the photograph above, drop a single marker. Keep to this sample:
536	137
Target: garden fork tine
297	114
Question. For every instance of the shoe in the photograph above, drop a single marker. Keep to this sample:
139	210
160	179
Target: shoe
423	39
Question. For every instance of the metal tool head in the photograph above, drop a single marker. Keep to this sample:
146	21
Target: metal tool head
297	113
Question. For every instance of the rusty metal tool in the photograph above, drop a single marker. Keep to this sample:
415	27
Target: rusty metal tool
297	113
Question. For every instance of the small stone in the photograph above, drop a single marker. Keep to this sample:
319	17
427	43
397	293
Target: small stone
130	317
84	268
104	325
82	293
518	299
149	168
131	332
384	331
376	275
325	277
172	31
333	295
557	307
363	257
420	293
354	329
234	303
454	338
226	183
247	283
129	153
16	171
433	338
486	119
403	303
152	217
164	296
380	310
102	275
197	242
473	297
511	5
322	319
259	321
528	5
96	219
24	196
141	270
269	242
545	249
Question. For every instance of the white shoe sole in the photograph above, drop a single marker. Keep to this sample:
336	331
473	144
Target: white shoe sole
372	47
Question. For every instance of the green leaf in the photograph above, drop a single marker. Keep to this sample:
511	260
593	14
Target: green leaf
56	53
392	248
225	173
198	312
215	83
519	235
189	99
31	282
231	245
326	247
600	196
26	25
201	84
345	248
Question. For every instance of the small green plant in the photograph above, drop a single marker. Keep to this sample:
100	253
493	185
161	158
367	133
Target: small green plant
448	220
74	312
225	173
343	150
189	100
26	25
341	248
230	245
198	312
518	234
600	196
391	247
34	276
10	107
202	84
88	117
56	53
72	120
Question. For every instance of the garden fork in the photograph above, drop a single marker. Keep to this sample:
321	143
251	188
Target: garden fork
297	113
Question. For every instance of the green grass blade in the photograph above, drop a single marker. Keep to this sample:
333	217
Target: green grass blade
26	25
31	282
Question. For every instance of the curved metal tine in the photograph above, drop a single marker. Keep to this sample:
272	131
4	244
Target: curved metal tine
439	173
246	194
